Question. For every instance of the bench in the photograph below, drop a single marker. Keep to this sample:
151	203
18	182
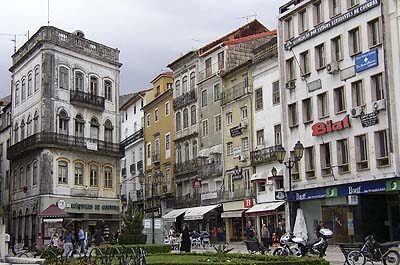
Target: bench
346	248
254	247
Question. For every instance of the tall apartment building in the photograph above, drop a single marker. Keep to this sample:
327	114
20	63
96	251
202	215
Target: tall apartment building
335	102
65	152
5	133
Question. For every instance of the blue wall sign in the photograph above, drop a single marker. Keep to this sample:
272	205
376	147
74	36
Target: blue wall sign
366	60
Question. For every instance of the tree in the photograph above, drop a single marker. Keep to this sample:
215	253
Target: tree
133	221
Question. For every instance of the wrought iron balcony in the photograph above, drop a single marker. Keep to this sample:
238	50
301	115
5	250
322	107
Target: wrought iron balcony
133	138
156	157
235	92
210	170
263	156
211	70
185	99
211	197
189	200
186	167
238	194
86	99
66	142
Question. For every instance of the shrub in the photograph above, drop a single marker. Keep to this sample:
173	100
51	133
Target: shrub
149	249
133	233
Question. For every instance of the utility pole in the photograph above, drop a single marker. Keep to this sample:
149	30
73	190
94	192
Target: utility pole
14	39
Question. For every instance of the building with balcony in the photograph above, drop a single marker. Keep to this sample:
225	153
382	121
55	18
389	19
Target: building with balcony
5	134
335	100
159	155
65	141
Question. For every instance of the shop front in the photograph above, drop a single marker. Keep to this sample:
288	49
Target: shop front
52	219
234	218
174	218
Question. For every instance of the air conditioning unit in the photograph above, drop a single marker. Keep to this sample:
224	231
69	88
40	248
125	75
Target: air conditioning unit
291	84
242	157
379	105
244	123
332	68
357	111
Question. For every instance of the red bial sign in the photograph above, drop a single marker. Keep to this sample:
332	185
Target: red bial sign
248	203
321	128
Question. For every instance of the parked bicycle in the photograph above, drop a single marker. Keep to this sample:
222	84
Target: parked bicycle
28	252
372	251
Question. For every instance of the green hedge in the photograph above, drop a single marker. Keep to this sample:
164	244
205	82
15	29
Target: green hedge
132	239
150	249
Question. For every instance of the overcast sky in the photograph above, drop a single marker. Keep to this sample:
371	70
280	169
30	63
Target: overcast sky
149	33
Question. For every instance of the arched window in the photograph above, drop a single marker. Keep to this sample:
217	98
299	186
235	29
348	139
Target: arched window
15	180
29	84
16	129
108	90
108	131
194	149
36	122
79	126
62	172
94	129
187	156
179	154
185	118
28	175
26	236
192	80
19	226
17	93
78	173
37	79
94	174
108	177
184	85
23	89
79	81
63	121
21	177
29	126
193	115
178	121
35	172
22	130
93	85
177	88
63	77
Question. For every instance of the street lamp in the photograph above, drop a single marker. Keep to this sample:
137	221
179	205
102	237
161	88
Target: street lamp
280	153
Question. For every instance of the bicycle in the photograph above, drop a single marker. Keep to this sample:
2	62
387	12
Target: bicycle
29	252
373	251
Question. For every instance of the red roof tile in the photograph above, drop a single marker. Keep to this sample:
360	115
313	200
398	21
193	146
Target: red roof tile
53	211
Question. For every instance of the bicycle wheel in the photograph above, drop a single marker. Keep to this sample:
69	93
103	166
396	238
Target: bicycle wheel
22	255
280	252
355	257
391	257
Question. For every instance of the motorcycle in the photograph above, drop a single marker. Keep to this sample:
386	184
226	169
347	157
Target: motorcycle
296	246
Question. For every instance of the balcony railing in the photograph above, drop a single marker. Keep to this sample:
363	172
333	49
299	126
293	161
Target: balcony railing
263	156
235	92
67	142
211	70
156	157
189	200
238	194
86	99
184	99
186	167
211	169
133	138
184	133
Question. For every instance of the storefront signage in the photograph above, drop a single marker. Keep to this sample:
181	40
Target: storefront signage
366	60
61	204
280	195
97	207
331	23
248	203
369	119
321	128
91	146
236	131
197	183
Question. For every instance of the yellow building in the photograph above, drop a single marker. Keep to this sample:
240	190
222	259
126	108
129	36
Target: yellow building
159	146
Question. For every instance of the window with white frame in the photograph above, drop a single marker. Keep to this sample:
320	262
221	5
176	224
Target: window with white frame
23	89
217	123
168	182
305	62
354	41
148	150
37	79
336	49
361	151
184	85
148	120
357	93
374	32
229	148
108	90
78	174
30	84
377	87
229	118
381	147
293	114
193	115
309	162
288	27
320	60
352	3
245	143
185	118
325	158
302	20
63	77
108	131
167	142
62	172
278	134
318	13
205	127
192	80
334	8
94	176
94	86
167	108
296	168
343	155
217	92
276	94
17	93
259	99
204	98
243	113
260	137
79	83
108	183
178	121
290	70
63	122
323	108
177	88
339	100
307	110
156	115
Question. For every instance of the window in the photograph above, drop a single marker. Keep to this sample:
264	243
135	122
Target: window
229	118
63	121
305	62
149	151
361	152
259	99
94	174
325	156
29	126
22	127
35	173
17	93
204	98
218	123
288	28
221	60
192	80
336	49
296	168
79	81
177	88
208	67
184	85
260	137
374	32
21	178
23	89
79	126
377	87
179	154
194	149
108	177
243	113
93	86
78	173
357	92
16	129
334	8
309	162
217	92
108	131
339	100
245	82
323	108
94	129
36	122
351	3
167	109
354	41
28	175
278	134
185	118
293	120
178	122
302	15
168	182
307	110
343	156
276	95
193	115
320	56
29	84
290	70
62	172
186	152
229	148
205	127
318	13
156	115
245	143
108	90
167	142
37	79
63	77
381	147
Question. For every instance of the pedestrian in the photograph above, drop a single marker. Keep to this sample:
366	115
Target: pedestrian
185	245
81	238
265	235
318	228
248	230
97	237
68	240
280	230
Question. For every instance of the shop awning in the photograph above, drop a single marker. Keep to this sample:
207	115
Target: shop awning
172	215
204	152
52	212
232	214
266	174
264	208
216	149
197	213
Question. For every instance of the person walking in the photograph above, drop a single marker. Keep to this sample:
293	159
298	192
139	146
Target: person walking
68	238
81	238
186	244
265	235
